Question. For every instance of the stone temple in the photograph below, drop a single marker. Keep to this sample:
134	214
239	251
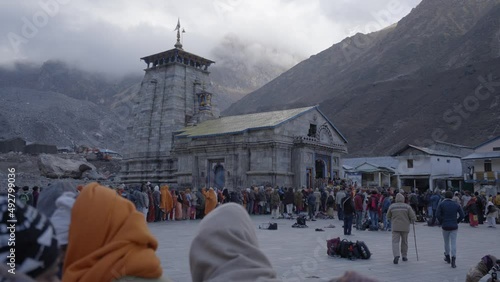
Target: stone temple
175	135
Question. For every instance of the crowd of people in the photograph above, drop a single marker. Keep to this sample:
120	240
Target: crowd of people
111	221
161	203
99	233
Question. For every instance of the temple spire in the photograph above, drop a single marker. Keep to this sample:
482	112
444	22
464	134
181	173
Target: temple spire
178	44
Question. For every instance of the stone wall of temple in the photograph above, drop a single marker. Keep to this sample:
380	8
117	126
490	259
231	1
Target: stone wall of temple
274	156
167	102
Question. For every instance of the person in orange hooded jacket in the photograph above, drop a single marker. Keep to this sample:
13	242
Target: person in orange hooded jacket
167	204
109	240
210	200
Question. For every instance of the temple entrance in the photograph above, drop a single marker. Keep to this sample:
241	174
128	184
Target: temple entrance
320	169
219	179
322	166
309	178
216	174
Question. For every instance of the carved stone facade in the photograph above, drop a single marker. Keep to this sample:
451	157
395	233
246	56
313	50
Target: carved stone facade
169	99
280	153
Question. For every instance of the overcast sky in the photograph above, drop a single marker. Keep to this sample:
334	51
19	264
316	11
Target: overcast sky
111	35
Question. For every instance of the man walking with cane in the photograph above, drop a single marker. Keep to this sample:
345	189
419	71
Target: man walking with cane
401	216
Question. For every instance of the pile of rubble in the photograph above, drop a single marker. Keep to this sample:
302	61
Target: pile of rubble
42	169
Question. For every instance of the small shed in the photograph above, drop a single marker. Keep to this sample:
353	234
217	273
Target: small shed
36	149
12	145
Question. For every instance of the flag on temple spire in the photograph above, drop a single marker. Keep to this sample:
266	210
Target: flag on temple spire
178	25
178	44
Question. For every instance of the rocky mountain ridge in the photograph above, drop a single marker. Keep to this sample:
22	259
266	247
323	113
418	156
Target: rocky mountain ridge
55	103
364	82
384	89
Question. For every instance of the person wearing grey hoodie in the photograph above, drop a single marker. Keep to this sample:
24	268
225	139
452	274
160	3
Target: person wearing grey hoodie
140	200
401	216
226	248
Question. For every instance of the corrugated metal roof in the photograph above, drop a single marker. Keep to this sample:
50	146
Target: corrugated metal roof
483	155
435	152
388	162
241	123
487	142
427	151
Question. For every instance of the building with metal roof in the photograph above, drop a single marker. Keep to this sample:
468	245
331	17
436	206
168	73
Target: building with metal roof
293	148
426	168
485	171
371	171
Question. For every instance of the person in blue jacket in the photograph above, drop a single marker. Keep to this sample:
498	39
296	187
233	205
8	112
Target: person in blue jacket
446	213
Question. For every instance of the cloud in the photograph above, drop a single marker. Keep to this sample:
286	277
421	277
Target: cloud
112	35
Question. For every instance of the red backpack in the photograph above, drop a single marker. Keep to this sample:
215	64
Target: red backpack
333	247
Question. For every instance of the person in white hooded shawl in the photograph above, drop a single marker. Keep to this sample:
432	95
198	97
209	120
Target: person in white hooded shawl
226	249
491	213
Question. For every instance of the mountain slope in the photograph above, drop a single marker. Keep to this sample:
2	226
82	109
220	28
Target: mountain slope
85	108
53	118
436	37
381	118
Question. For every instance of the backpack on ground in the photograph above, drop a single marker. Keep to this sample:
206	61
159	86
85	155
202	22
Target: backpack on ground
365	225
364	252
301	220
349	250
333	247
269	226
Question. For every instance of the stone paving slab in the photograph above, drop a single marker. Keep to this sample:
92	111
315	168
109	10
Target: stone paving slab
300	254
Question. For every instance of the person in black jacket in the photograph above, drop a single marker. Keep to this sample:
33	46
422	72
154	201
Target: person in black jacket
311	202
348	209
288	200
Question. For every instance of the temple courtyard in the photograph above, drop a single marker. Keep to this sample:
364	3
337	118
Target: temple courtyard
299	254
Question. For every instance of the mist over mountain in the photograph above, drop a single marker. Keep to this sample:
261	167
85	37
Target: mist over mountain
404	83
412	82
59	103
242	67
53	118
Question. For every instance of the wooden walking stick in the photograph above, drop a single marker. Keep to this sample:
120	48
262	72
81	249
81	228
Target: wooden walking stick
415	237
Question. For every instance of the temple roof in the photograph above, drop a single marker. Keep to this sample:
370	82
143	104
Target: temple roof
242	123
176	53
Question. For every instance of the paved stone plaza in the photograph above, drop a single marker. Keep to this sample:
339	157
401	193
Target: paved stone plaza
300	254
